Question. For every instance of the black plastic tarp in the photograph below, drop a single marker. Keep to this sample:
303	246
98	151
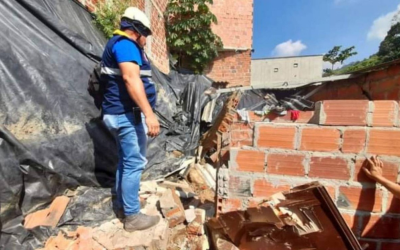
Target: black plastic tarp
51	137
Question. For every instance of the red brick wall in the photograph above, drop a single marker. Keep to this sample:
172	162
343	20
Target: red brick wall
235	27
231	67
327	145
380	85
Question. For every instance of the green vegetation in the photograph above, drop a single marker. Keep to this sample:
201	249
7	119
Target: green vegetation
336	55
390	47
389	50
189	36
108	14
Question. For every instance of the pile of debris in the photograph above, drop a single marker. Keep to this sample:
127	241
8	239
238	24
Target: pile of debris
303	218
183	209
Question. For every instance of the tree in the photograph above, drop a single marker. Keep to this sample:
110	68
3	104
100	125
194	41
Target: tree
389	48
337	55
108	14
346	53
332	55
189	35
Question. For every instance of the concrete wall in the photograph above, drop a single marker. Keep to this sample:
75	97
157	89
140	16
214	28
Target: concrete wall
284	69
273	153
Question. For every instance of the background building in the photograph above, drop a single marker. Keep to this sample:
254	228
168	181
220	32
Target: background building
268	70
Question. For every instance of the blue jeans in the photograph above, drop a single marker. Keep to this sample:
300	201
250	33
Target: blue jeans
131	143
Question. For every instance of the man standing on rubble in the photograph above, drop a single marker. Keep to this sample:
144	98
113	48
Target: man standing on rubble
128	103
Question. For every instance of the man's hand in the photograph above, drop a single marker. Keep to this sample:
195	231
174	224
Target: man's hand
152	125
373	168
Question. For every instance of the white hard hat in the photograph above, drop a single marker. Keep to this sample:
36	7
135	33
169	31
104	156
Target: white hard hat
135	14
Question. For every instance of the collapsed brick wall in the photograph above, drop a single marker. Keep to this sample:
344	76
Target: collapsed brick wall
327	145
379	85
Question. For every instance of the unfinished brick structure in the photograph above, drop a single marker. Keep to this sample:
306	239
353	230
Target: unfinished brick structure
272	154
235	27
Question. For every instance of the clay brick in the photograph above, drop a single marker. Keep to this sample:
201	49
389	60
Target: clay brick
354	140
329	168
257	202
331	192
254	117
285	164
304	117
172	208
242	135
241	143
48	217
390	170
276	137
390	245
377	226
229	205
393	204
346	112
242	126
384	142
349	219
263	188
251	161
320	139
385	114
356	198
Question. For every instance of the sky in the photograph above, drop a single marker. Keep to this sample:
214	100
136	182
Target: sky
311	27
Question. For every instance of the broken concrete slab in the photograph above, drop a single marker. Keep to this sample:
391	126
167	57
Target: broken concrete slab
49	216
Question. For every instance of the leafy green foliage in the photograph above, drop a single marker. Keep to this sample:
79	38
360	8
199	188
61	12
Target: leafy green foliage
332	55
359	65
108	14
189	35
389	50
336	55
390	46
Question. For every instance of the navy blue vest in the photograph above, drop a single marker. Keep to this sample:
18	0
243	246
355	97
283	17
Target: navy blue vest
116	97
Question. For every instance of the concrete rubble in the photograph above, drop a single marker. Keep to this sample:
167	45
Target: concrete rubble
181	225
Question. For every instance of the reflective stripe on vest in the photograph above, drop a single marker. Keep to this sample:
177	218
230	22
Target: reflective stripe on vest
117	72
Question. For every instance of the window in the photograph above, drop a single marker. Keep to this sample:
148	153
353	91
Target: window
276	70
295	65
